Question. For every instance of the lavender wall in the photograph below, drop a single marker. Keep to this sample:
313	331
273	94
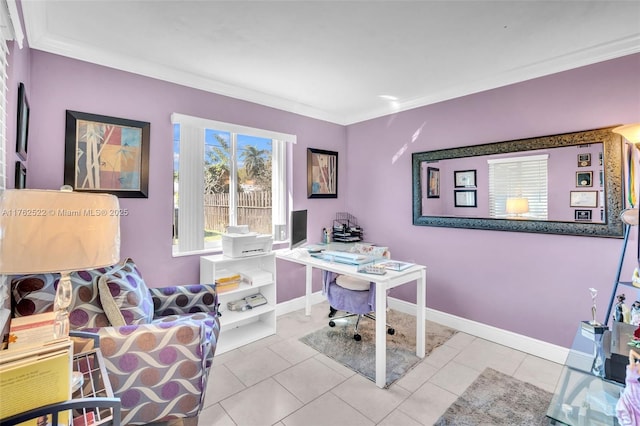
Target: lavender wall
532	284
59	84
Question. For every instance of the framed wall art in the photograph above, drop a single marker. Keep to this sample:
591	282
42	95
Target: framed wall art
584	179
322	173
465	198
584	215
584	160
22	129
106	154
465	178
433	182
21	176
583	199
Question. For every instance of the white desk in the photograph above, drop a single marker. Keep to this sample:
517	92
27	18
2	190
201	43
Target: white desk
383	282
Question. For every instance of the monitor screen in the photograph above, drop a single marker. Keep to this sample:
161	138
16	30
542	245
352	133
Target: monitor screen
298	228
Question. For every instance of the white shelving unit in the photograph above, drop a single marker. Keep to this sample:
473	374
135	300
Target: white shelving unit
240	328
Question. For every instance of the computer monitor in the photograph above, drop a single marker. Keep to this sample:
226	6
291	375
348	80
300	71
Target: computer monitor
298	228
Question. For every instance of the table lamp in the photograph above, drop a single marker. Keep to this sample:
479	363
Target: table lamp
517	206
44	231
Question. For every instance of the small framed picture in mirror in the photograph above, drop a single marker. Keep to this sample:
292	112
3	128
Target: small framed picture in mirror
584	160
465	198
583	215
584	179
465	178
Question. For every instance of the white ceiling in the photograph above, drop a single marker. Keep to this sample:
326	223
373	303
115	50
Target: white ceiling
340	61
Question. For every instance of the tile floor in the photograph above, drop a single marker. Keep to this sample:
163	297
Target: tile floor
281	381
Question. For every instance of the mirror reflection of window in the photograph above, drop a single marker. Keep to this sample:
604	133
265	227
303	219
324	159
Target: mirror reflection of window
518	187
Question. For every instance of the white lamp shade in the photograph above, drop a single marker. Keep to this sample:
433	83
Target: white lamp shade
56	231
517	205
630	132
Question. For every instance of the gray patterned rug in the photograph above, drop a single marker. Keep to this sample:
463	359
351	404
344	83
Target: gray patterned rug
495	398
338	343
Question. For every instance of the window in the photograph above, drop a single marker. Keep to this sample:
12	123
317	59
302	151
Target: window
518	187
225	174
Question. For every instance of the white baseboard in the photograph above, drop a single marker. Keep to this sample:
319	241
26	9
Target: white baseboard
507	338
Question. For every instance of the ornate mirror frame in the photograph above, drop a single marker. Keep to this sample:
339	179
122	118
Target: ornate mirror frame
613	185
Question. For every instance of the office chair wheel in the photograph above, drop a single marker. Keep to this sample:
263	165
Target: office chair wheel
357	337
391	331
332	323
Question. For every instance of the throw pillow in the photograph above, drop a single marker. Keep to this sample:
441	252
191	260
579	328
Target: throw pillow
34	294
111	308
130	294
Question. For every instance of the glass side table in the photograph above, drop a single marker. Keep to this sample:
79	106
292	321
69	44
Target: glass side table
583	397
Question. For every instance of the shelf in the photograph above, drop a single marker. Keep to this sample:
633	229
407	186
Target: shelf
238	328
242	288
240	336
229	318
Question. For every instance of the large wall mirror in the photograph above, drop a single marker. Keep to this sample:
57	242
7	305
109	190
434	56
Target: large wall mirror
561	184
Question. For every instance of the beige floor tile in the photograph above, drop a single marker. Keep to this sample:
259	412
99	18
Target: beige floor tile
222	383
255	366
293	350
262	404
460	340
214	416
327	410
398	418
454	377
539	372
375	403
309	379
441	355
427	404
481	354
334	365
417	376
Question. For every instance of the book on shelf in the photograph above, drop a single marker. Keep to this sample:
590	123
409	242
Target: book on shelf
227	280
34	377
395	265
31	330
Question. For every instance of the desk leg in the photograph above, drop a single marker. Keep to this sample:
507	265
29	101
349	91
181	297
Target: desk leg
421	290
308	282
381	335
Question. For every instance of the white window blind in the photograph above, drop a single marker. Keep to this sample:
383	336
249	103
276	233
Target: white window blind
513	180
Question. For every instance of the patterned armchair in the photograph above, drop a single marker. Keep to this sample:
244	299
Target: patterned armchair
158	343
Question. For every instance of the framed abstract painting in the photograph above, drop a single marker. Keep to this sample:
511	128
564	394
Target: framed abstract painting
107	154
322	173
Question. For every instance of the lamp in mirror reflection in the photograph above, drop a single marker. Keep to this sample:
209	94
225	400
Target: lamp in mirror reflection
44	231
630	132
517	206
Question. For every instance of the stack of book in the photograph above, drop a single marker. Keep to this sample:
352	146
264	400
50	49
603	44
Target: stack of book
36	368
226	281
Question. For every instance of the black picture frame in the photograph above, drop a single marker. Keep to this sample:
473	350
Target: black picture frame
433	182
465	198
583	215
584	179
120	151
584	160
322	173
20	176
464	178
22	129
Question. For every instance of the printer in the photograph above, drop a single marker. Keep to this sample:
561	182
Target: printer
239	242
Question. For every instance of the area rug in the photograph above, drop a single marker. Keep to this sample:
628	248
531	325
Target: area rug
338	343
495	398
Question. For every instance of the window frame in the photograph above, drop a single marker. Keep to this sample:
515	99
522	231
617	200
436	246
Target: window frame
281	143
